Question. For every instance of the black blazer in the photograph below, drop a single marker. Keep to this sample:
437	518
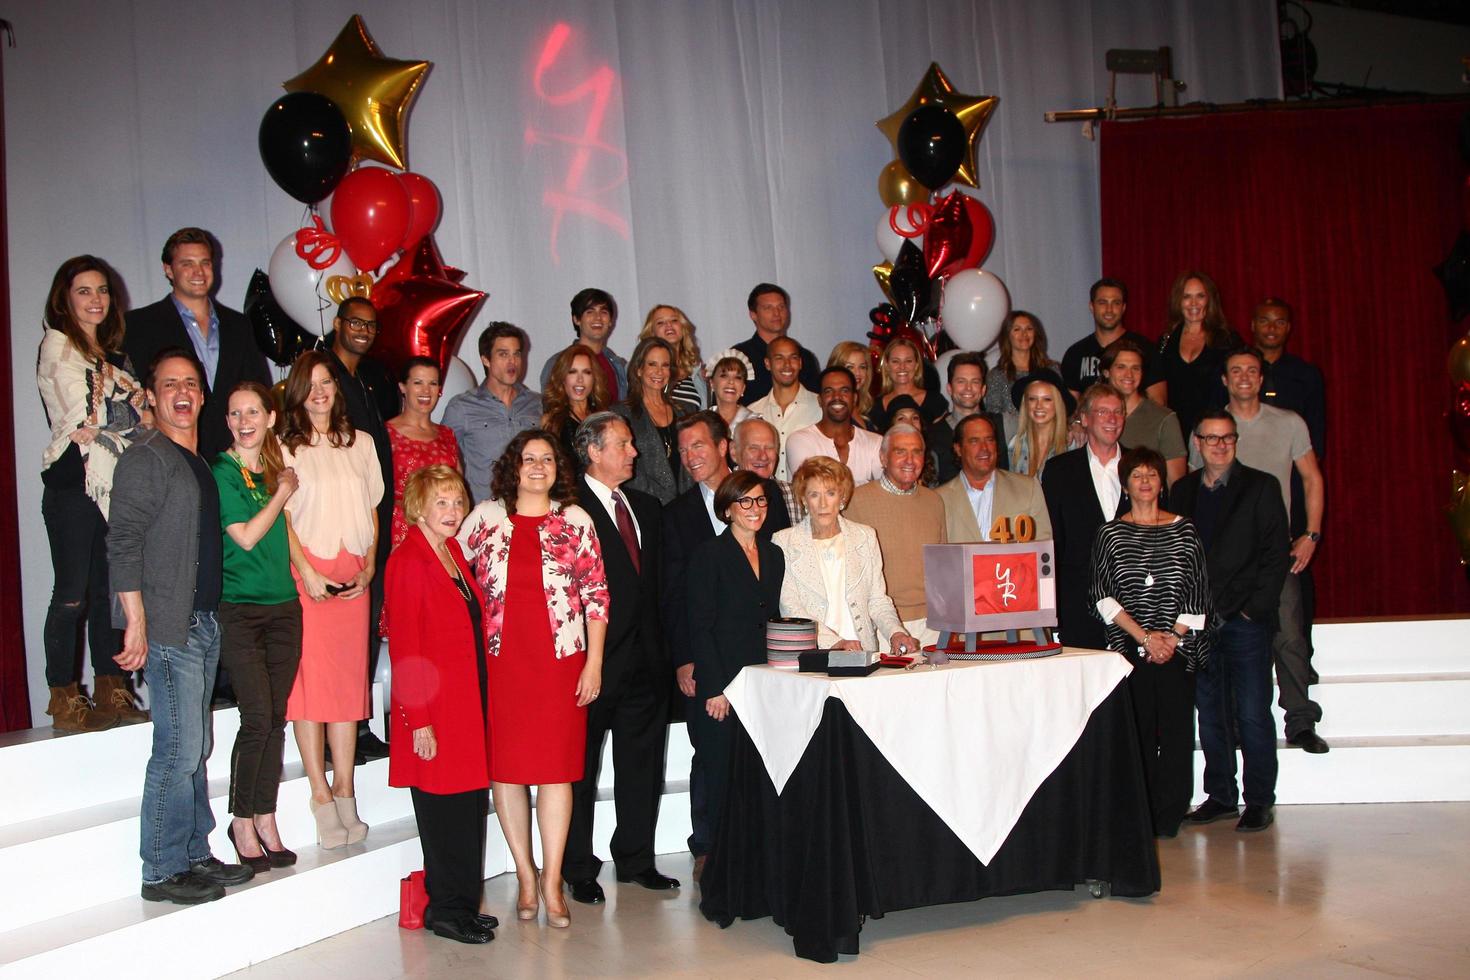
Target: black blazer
728	608
686	527
1075	517
634	633
152	328
1250	551
939	442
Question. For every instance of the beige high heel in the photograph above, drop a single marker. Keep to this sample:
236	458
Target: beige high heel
356	829
330	833
528	913
553	919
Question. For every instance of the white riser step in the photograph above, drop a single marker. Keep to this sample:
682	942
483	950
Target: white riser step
1411	646
1406	770
1426	704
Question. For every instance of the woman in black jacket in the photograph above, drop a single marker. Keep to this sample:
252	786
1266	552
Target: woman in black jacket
733	587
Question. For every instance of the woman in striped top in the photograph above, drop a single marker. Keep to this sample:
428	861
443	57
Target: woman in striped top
1149	588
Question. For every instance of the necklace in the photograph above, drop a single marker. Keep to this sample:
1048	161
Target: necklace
257	493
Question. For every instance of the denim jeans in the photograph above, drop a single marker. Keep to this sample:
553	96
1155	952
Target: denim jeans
77	532
176	818
1234	693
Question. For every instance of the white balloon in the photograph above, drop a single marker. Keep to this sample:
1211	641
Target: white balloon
975	304
301	290
457	380
889	241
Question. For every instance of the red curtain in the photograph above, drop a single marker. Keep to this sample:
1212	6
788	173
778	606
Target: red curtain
1344	213
15	705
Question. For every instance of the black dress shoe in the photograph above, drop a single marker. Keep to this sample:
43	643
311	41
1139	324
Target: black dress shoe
462	932
1309	741
650	879
487	921
369	746
1168	833
1256	818
588	892
1211	810
214	870
184	888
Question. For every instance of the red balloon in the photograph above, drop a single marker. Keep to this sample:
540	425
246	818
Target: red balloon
1460	417
370	215
421	316
425	209
958	235
424	260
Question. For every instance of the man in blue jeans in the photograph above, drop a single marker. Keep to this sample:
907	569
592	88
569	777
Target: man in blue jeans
1242	523
164	553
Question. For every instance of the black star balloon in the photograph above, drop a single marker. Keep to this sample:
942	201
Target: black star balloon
373	92
971	112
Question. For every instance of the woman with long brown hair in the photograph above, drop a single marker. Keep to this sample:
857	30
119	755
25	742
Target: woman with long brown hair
93	404
575	389
259	618
1195	348
1021	350
651	414
535	554
332	528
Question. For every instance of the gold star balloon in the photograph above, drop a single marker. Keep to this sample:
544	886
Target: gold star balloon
972	112
373	92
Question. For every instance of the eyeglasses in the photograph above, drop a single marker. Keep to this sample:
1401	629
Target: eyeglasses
358	323
748	502
1228	439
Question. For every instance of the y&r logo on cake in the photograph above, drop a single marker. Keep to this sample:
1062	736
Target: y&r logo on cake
1005	584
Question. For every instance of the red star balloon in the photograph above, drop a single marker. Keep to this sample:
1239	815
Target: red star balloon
422	316
424	260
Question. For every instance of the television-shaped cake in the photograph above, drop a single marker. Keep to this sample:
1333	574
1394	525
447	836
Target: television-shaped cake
986	586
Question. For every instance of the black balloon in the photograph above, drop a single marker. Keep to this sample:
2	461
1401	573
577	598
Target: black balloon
306	145
931	144
276	334
1454	275
910	284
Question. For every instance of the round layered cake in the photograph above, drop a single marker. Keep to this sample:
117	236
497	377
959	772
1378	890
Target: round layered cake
787	639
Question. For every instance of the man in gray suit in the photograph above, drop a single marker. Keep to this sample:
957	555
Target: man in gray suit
982	496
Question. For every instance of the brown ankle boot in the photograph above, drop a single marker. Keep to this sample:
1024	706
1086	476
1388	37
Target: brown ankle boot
70	711
112	696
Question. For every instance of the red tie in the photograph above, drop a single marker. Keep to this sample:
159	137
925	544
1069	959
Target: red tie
626	529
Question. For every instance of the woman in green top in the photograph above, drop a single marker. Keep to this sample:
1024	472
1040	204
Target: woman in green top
260	619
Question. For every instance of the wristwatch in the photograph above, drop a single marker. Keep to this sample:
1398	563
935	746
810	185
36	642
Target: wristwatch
1315	536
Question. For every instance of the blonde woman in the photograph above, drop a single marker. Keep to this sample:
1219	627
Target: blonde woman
855	357
902	370
1045	405
669	324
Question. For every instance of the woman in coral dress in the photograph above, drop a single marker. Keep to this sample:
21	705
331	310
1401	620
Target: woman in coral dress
535	554
417	441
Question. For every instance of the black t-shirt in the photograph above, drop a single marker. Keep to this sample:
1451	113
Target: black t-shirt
1080	363
208	578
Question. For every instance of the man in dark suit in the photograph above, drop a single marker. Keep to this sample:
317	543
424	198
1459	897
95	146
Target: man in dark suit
1083	493
689	520
1242	524
372	399
635	670
189	318
966	388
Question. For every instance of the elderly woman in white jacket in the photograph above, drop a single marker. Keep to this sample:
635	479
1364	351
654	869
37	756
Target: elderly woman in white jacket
834	570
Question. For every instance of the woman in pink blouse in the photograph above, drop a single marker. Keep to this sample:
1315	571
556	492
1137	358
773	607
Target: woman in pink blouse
532	549
332	529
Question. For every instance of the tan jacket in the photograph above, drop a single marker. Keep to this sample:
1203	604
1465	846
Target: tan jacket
1015	493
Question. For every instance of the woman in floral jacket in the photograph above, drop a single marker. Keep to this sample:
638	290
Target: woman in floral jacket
535	555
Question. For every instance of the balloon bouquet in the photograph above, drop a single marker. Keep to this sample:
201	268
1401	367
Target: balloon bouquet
350	107
933	242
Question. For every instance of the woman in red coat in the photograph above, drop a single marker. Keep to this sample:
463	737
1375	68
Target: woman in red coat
439	700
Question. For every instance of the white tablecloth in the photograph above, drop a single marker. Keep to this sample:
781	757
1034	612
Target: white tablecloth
974	740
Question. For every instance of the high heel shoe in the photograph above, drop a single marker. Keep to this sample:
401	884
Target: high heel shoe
347	812
330	833
561	920
283	858
257	864
528	913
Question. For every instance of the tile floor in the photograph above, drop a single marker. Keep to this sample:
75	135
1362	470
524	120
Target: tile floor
1330	891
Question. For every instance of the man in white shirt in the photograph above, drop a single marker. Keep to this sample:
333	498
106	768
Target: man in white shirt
788	406
835	434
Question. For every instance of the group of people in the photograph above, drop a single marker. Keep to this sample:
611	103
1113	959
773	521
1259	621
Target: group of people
548	569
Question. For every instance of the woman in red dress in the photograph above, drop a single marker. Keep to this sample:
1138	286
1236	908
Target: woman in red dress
416	440
535	554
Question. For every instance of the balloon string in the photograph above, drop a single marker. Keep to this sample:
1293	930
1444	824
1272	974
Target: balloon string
917	216
316	246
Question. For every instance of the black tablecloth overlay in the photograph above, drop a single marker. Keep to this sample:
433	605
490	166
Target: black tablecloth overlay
850	838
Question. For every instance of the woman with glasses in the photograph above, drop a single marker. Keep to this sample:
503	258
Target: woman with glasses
734	586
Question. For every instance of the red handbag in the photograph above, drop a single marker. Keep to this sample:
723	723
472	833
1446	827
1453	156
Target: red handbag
413	899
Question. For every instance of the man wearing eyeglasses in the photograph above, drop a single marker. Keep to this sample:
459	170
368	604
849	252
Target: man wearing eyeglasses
1277	442
1241	520
371	397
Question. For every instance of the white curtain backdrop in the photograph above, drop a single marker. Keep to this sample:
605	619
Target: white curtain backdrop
734	143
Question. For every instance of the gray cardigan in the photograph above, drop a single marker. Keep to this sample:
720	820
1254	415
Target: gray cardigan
651	472
153	536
